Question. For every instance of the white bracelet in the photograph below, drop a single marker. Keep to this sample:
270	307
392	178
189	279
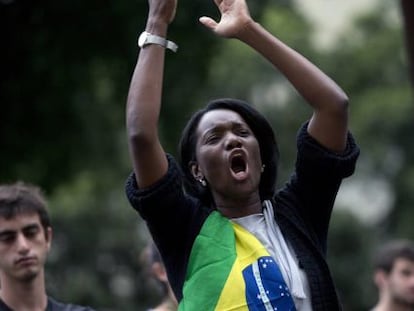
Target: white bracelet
147	38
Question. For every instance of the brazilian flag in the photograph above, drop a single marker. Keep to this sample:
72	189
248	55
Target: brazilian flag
229	269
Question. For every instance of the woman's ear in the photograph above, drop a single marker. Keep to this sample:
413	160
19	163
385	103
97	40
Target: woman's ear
197	173
195	170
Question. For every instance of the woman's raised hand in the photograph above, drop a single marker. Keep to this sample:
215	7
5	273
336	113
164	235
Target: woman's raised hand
235	16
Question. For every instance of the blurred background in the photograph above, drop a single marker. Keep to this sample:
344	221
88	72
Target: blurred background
65	68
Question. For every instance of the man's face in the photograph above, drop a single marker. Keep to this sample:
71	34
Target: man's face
23	247
400	283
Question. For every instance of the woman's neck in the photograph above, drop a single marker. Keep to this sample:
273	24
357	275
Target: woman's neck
235	208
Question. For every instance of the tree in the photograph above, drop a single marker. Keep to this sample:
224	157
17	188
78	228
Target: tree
65	70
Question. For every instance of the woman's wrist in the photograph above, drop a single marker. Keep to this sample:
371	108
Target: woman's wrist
247	30
157	27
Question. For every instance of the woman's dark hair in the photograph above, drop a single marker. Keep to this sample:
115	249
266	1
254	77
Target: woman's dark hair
262	131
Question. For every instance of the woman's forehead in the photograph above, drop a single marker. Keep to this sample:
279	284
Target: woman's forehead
219	117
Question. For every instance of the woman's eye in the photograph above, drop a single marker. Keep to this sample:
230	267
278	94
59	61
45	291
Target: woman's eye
212	139
244	132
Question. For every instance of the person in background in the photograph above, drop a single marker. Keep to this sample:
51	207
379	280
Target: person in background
394	276
25	240
155	270
228	239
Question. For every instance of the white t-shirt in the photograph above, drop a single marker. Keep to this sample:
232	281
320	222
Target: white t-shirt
266	230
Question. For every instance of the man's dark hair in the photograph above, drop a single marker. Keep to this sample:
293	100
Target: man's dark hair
388	253
21	198
261	129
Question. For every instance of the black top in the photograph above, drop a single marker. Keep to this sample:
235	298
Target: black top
52	305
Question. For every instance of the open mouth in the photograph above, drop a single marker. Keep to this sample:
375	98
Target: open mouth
238	164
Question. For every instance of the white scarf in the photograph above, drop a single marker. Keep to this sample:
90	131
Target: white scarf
283	253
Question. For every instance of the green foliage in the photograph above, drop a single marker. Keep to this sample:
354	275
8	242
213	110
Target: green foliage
373	70
350	253
62	71
65	71
97	241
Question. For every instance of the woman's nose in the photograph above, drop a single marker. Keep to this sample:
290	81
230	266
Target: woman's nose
232	142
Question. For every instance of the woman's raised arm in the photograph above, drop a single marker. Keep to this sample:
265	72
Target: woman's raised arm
144	96
329	123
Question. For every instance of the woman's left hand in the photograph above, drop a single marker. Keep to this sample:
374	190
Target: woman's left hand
235	16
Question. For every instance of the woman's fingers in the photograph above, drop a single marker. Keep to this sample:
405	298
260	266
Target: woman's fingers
208	22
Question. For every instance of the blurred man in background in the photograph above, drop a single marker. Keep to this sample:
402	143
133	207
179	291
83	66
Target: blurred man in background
394	276
25	240
155	270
